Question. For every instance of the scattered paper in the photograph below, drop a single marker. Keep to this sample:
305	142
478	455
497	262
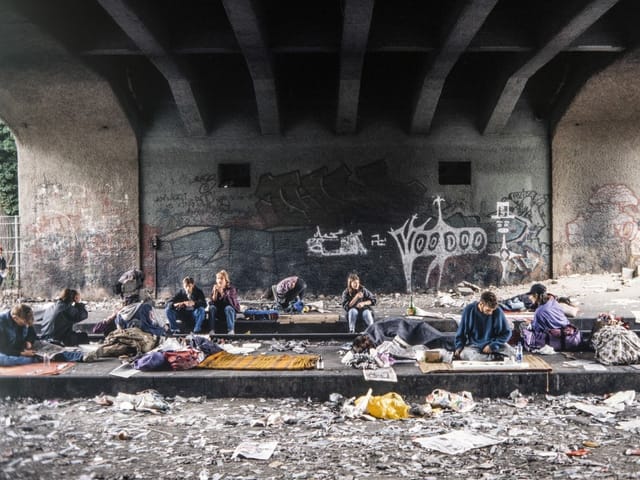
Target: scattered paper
256	450
456	442
125	370
387	374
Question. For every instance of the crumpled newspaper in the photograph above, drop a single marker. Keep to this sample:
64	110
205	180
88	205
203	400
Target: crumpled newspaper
145	401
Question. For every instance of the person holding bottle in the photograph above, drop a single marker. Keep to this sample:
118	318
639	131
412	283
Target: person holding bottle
224	303
357	302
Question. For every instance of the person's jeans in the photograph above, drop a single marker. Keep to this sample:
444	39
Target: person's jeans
229	315
69	356
197	315
11	360
353	314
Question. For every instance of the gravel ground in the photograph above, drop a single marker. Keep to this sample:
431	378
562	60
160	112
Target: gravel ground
538	437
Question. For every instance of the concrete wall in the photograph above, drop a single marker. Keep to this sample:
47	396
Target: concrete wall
77	166
320	206
596	185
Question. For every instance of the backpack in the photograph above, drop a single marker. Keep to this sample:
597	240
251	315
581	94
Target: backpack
129	283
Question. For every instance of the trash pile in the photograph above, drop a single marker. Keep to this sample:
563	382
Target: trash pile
443	435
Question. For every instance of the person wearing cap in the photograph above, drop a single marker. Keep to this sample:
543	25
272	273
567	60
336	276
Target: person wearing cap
548	313
550	325
483	332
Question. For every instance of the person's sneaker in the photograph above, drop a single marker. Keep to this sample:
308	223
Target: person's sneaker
231	332
212	333
90	356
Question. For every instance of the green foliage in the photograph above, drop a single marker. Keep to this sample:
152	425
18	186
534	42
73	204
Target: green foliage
8	172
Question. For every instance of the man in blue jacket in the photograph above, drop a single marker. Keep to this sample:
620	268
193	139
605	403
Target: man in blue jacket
483	332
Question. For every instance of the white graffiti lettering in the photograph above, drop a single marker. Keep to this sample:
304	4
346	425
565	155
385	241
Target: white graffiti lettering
442	242
335	244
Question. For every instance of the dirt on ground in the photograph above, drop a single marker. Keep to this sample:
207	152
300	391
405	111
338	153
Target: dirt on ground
516	437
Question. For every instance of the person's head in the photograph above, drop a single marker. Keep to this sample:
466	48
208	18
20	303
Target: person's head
188	283
22	315
488	302
362	343
353	282
69	295
222	279
538	293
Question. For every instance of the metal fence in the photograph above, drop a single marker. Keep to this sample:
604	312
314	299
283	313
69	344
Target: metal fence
10	242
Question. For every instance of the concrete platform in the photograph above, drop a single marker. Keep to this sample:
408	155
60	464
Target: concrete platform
90	379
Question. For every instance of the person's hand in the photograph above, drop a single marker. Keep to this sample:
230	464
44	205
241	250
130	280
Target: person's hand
361	304
456	354
27	353
359	295
487	349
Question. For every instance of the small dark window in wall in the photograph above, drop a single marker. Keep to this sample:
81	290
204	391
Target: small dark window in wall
234	175
454	173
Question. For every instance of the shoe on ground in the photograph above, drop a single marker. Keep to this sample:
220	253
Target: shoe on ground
90	357
212	333
232	332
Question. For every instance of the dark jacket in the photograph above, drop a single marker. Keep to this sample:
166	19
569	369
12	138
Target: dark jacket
59	319
366	296
13	337
197	296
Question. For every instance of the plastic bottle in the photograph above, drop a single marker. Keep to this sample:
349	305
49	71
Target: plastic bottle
519	353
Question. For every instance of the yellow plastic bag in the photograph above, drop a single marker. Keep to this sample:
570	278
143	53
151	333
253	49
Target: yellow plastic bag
389	406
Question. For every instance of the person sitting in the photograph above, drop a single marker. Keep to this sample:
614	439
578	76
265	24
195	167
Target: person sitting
141	315
483	332
550	325
357	302
60	318
18	339
288	292
188	304
223	305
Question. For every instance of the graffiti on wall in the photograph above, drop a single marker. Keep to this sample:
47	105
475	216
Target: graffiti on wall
611	218
335	197
335	244
441	242
520	234
77	244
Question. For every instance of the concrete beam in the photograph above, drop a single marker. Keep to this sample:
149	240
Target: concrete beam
466	23
141	30
510	91
247	26
355	35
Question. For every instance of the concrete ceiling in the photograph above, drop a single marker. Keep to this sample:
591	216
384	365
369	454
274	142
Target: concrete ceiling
345	63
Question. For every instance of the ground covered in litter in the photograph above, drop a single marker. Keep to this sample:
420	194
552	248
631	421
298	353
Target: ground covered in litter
148	436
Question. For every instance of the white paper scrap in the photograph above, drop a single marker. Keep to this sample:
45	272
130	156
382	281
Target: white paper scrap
387	374
256	450
457	441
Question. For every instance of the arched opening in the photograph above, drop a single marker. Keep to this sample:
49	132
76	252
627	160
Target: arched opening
9	219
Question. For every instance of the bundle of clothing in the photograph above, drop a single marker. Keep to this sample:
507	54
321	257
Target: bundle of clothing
613	342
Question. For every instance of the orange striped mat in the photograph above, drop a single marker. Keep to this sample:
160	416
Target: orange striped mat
35	369
228	361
